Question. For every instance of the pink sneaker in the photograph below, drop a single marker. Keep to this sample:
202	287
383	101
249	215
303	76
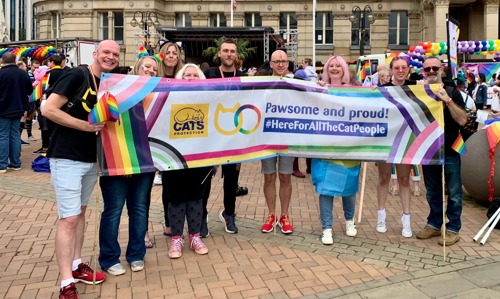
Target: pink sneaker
176	245
197	244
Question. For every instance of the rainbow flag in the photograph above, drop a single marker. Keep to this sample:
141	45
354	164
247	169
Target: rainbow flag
459	145
364	71
39	89
126	144
107	109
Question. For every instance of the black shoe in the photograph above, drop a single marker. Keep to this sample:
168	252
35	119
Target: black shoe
241	191
40	151
229	222
204	228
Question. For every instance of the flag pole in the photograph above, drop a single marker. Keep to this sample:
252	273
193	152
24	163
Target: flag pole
232	12
314	35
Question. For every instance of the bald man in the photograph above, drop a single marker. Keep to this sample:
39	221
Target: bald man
282	165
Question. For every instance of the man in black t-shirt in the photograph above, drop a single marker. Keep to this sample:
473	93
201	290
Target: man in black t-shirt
228	54
454	118
72	152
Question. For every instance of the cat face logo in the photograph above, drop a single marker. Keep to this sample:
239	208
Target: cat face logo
238	119
188	121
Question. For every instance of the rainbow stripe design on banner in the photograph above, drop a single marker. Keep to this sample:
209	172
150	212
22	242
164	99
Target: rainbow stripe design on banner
251	118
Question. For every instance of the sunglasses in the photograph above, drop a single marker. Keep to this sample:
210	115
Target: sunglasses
433	68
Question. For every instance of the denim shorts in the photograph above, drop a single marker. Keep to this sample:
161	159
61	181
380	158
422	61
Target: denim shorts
73	183
285	165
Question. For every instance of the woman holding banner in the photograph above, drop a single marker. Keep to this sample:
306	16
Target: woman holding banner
134	190
400	68
184	188
335	177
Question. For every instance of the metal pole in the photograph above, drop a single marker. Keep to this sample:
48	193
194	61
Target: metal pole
232	12
314	35
362	28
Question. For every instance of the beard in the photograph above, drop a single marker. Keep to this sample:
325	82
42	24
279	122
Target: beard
433	79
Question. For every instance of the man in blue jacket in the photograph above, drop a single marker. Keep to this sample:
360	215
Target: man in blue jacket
15	85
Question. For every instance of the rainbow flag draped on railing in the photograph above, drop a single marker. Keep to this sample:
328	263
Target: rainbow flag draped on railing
216	121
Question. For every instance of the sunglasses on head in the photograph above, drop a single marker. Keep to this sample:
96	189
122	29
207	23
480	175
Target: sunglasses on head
433	68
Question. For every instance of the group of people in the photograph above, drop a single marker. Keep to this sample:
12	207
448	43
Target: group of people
73	146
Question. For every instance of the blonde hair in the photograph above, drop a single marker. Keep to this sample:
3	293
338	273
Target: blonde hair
162	69
181	72
140	62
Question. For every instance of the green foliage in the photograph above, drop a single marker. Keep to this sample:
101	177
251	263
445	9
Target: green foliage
242	46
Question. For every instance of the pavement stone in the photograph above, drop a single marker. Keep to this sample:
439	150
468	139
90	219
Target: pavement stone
251	264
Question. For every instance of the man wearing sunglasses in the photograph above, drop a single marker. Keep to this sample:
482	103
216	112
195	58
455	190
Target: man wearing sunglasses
454	118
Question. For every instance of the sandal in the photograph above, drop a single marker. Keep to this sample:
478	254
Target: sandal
393	191
417	192
148	244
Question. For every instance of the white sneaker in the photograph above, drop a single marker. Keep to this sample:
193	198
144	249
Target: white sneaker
350	228
157	180
31	138
116	269
327	237
406	232
381	227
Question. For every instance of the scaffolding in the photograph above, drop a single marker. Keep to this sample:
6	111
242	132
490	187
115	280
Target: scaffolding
288	40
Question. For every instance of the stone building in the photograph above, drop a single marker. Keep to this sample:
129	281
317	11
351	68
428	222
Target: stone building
396	26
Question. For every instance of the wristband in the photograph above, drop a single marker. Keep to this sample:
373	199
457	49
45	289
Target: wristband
448	102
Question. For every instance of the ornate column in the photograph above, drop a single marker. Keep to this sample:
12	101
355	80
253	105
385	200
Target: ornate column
491	19
441	8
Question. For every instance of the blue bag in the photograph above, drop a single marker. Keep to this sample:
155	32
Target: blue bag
41	164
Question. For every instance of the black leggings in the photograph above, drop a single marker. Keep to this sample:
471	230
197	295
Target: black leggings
183	190
230	175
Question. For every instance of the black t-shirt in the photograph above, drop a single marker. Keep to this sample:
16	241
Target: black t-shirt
215	72
68	143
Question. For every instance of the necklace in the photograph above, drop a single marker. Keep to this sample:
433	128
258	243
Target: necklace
222	73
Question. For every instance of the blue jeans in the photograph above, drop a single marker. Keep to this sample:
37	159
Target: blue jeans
10	142
326	209
116	190
433	184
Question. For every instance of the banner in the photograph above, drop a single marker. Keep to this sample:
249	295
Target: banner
453	33
217	121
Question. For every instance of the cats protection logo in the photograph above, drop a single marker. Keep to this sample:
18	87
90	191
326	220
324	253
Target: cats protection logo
246	119
189	121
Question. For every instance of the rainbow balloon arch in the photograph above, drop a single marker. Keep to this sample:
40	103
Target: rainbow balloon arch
39	53
418	53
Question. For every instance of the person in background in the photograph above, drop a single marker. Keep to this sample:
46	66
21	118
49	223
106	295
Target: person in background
134	190
336	177
185	189
15	85
480	92
307	66
374	79
171	64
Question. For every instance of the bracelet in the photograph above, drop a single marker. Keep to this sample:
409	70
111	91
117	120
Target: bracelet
448	102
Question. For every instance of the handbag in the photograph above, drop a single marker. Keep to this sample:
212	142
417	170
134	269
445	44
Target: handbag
41	164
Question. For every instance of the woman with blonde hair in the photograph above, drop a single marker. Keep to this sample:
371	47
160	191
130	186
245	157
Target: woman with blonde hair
335	177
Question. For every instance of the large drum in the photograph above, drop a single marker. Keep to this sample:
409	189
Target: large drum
476	167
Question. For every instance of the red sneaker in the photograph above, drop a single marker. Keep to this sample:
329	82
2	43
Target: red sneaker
285	224
268	226
85	274
68	292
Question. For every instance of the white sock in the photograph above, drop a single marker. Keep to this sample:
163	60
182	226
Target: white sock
76	263
381	214
406	217
67	282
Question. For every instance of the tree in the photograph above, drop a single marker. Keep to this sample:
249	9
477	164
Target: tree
242	46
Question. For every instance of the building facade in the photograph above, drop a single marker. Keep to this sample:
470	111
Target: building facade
18	17
396	24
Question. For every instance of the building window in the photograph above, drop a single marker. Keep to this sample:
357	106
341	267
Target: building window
288	20
183	19
253	19
324	28
356	33
218	20
111	26
55	21
398	28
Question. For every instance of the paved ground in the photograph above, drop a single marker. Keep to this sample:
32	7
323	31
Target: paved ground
251	264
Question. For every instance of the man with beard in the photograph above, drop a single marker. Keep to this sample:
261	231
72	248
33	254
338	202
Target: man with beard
228	53
454	118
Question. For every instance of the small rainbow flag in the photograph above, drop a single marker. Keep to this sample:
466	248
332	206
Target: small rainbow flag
364	71
107	109
459	145
39	89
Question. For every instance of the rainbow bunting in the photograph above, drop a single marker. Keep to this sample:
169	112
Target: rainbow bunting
459	145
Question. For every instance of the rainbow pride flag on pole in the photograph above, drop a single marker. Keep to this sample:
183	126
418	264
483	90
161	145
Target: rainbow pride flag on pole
39	89
459	145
